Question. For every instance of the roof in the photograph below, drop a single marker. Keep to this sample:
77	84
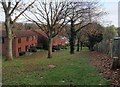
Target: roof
40	32
59	41
20	33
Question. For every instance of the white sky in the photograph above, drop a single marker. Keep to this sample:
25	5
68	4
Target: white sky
110	6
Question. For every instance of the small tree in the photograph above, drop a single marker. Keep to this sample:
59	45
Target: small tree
93	39
81	38
118	31
12	10
109	32
94	34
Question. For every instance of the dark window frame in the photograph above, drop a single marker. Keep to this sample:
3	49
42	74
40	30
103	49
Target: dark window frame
34	37
19	40
26	48
19	50
3	40
27	38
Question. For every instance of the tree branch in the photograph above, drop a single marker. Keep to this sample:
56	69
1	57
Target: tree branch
22	11
4	6
14	7
82	27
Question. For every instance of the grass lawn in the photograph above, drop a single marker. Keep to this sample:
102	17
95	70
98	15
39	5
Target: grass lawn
62	69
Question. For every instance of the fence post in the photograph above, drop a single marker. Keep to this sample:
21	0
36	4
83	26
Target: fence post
116	59
110	47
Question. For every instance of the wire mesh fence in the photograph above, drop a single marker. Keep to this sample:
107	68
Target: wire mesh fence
110	47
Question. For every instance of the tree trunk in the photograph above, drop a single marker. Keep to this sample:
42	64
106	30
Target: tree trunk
9	39
72	38
78	45
9	49
50	48
72	46
81	45
91	46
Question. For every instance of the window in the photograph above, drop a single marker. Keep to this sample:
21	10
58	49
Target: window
19	49
27	39
34	37
2	40
26	48
19	40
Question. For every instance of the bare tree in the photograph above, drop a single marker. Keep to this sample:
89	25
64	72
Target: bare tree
50	17
13	9
81	38
81	15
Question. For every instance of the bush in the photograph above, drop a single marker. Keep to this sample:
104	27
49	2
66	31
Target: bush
94	39
21	53
39	46
53	50
33	49
63	47
56	48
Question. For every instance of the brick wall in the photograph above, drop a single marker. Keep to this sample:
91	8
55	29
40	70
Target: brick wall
21	45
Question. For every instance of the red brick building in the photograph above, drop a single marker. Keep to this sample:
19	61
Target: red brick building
22	41
60	41
43	40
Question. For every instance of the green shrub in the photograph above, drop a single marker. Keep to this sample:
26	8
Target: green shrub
39	46
21	53
33	49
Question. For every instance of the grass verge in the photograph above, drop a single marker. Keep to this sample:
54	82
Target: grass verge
68	70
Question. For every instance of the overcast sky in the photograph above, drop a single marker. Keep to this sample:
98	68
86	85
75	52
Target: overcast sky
110	6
